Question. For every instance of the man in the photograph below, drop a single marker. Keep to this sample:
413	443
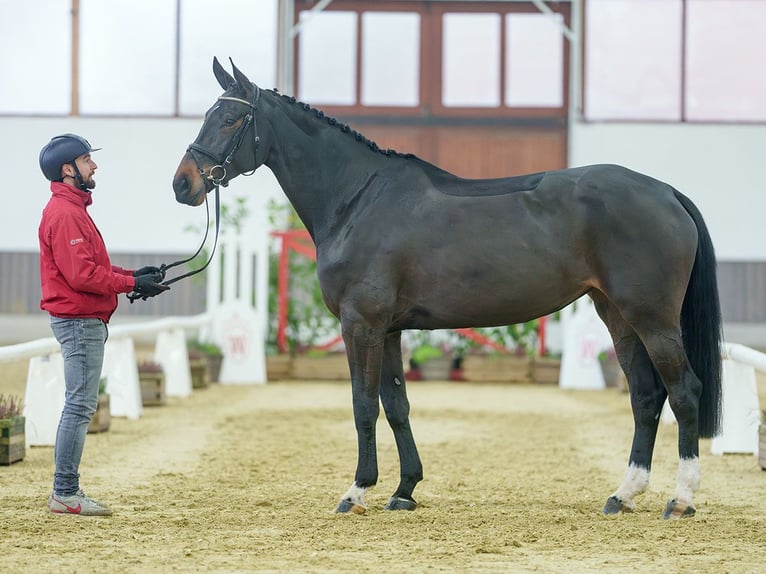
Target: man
79	291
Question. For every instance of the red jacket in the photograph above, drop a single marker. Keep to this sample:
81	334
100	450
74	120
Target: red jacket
76	276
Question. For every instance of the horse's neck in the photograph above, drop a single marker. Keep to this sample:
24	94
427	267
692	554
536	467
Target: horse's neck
317	170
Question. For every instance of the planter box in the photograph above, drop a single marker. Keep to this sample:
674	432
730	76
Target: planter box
152	389
102	419
436	369
198	371
546	370
12	440
762	449
333	367
497	369
213	373
279	367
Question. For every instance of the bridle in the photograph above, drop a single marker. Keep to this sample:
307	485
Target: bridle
222	161
220	164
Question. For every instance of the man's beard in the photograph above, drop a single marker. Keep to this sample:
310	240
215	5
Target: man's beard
89	183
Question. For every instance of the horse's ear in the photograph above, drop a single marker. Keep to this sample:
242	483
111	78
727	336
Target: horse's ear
242	80
224	78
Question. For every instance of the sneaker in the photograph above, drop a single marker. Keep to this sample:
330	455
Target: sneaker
77	504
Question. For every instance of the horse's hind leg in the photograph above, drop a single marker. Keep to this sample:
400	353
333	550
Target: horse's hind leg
647	395
393	394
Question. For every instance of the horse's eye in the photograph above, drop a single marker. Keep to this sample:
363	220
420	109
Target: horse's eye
230	121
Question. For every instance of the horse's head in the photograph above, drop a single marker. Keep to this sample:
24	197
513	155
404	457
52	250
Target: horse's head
227	144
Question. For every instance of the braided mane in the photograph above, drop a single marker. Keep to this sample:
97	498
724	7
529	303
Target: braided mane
345	128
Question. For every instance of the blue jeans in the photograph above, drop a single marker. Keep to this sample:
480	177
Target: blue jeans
82	346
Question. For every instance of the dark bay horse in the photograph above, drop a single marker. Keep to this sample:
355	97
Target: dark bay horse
402	244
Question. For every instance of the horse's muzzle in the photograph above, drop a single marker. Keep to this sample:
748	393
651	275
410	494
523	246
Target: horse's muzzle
184	192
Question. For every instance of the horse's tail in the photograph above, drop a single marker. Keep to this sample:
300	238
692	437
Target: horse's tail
701	324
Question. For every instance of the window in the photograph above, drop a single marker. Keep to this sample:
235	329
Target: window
471	60
675	60
249	40
327	73
725	77
633	59
534	56
390	59
36	57
122	72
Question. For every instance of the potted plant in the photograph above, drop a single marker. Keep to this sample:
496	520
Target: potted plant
213	356
151	378
429	355
12	438
102	419
515	365
197	369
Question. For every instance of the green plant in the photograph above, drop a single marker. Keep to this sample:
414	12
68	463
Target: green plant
204	347
102	386
520	338
10	406
607	355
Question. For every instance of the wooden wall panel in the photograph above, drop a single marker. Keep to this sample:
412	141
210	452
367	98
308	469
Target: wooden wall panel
483	152
477	151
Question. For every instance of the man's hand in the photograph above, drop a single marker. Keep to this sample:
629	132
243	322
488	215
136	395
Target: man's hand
149	285
149	269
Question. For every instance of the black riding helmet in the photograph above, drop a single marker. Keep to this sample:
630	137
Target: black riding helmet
61	150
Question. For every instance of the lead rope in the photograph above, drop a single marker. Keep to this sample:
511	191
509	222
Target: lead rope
164	267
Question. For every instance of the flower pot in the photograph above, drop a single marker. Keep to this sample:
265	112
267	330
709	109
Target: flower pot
546	370
436	369
198	371
214	367
152	388
12	440
497	368
279	367
330	367
102	419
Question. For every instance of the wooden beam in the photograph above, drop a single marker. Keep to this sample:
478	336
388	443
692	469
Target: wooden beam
75	102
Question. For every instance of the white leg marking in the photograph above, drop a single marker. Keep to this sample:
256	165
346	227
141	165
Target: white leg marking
355	494
635	482
688	479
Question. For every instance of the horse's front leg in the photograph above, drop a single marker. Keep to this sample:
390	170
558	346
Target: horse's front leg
393	394
364	347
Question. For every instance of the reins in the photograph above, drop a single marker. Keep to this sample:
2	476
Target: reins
221	162
165	266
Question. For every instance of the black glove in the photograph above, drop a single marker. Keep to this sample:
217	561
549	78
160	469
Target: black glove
149	285
146	270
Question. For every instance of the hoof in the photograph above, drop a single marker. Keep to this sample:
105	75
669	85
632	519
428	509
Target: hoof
614	506
676	510
346	506
399	503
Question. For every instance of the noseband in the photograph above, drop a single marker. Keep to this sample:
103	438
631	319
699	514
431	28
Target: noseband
217	173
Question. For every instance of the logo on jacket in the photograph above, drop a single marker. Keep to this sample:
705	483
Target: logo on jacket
76	241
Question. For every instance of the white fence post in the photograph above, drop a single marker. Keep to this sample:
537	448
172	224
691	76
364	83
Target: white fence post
741	411
238	284
740	407
170	352
44	399
585	336
122	384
